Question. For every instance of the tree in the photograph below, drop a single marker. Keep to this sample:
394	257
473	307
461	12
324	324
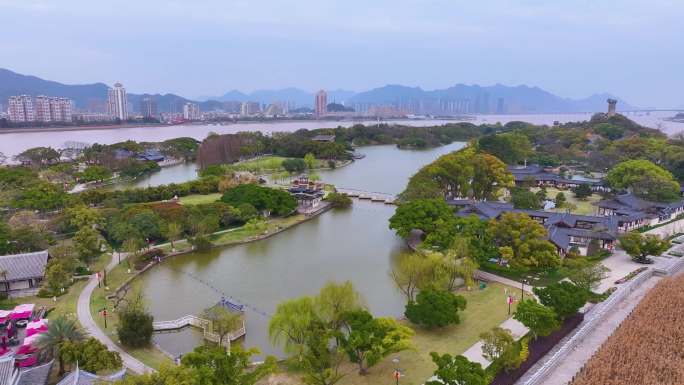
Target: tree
523	198
168	374
563	297
40	196
457	371
583	273
510	147
223	321
435	308
57	276
456	262
262	198
498	345
173	232
90	355
310	161
338	200
526	238
367	340
290	324
560	200
541	320
422	214
335	300
135	324
294	165
639	246
218	368
490	176
582	191
87	243
96	174
411	273
645	179
83	216
321	362
60	331
38	156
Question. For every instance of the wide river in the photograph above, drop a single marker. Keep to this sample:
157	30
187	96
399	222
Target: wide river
14	143
353	244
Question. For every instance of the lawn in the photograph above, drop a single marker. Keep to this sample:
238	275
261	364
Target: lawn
197	199
584	206
485	309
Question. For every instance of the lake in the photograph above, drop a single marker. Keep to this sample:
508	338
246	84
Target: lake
352	244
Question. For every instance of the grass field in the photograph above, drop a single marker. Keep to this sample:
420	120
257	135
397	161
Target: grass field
584	206
197	199
485	309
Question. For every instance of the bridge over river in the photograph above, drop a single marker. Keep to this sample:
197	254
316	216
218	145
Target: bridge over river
372	196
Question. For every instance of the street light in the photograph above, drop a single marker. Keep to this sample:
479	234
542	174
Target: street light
522	290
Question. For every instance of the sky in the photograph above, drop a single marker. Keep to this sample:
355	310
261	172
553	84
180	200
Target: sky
573	48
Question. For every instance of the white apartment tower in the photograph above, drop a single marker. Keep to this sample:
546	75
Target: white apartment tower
49	109
191	111
20	109
117	104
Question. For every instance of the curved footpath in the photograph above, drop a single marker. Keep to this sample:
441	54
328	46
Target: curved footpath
88	323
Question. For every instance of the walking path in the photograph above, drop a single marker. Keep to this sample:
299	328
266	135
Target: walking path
564	373
88	323
474	353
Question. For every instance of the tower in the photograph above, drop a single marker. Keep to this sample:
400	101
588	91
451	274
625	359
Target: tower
321	103
117	103
611	107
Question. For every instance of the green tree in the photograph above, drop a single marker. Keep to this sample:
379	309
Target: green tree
220	368
96	174
510	147
368	340
294	165
526	238
523	198
422	214
541	320
321	362
90	355
173	232
57	276
60	331
582	191
310	161
435	308
38	156
338	200
457	371
169	375
639	246
411	273
645	179
262	198
498	345
563	297
335	300
583	273
560	200
223	321
83	216
290	324
135	324
41	196
87	243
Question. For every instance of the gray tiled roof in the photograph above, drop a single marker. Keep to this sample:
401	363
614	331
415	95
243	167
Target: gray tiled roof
37	375
81	377
23	266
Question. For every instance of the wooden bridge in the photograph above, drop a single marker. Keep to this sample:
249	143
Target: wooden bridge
201	323
372	196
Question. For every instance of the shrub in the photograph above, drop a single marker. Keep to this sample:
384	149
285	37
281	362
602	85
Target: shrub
435	308
135	325
338	200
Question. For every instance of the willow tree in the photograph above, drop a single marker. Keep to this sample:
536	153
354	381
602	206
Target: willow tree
289	326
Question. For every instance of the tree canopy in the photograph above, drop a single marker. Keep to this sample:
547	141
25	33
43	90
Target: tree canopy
421	214
639	246
263	198
457	371
541	320
435	308
563	297
645	179
526	239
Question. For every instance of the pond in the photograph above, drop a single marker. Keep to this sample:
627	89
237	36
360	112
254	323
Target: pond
353	244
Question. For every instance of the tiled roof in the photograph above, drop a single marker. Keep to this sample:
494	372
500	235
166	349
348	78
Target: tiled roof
81	377
23	266
37	375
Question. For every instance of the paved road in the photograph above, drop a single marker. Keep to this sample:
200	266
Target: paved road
88	323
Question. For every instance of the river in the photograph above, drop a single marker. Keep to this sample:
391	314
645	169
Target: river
353	244
14	143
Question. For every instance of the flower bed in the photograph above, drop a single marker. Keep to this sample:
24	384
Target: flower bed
631	275
538	349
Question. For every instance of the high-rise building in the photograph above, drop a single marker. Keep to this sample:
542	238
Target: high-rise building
42	109
321	103
250	108
148	108
61	110
500	106
117	103
21	109
191	111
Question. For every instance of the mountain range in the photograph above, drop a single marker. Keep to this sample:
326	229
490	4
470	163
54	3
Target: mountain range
490	99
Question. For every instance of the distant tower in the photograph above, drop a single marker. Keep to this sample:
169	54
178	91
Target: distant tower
148	107
321	104
117	103
611	107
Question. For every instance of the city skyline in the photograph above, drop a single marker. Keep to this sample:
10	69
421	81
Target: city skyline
573	49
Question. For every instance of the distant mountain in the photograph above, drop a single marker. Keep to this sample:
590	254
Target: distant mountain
478	99
469	98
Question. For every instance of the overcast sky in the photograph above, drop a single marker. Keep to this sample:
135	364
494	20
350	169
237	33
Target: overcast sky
631	48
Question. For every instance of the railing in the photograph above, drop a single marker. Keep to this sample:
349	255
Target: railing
201	323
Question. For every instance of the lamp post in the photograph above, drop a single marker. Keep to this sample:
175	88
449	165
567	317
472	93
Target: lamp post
522	290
